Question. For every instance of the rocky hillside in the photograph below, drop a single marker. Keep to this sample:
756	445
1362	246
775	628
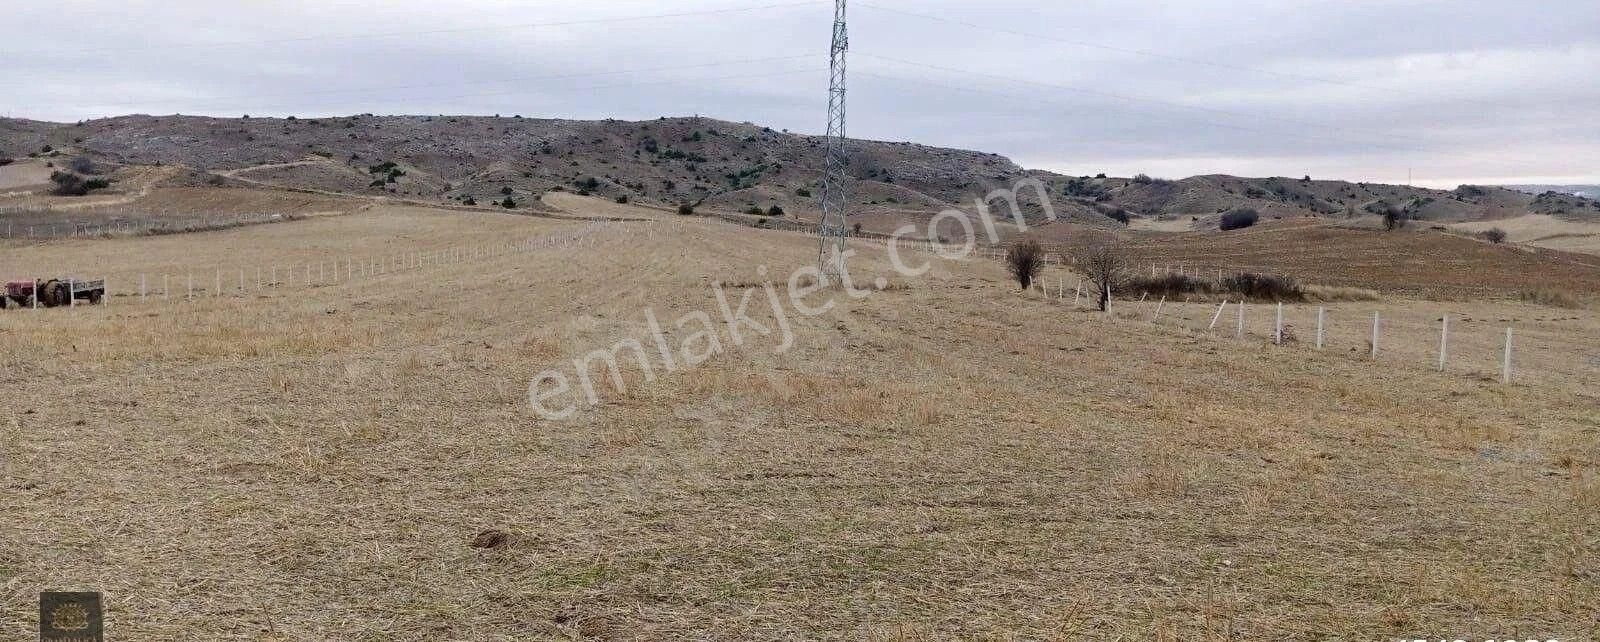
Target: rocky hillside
715	164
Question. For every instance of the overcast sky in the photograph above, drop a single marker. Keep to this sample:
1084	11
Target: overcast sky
1452	92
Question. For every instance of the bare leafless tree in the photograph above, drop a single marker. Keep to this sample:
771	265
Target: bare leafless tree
1105	266
1025	260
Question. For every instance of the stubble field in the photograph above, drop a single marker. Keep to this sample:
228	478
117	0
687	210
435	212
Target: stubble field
947	458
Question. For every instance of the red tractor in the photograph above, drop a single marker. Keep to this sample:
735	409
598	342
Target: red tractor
52	293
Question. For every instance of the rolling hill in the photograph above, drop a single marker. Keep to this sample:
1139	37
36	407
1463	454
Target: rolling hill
715	164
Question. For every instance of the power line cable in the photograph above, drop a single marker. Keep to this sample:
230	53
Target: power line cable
1133	98
361	90
1020	98
1152	54
429	32
1374	145
786	72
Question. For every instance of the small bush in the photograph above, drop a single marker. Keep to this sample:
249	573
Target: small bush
1239	219
1105	266
469	201
82	165
622	200
775	211
1494	235
1394	219
685	209
1170	285
69	184
1331	294
508	203
505	191
1270	287
1119	215
6	161
753	211
803	193
1551	297
856	228
1025	260
1142	179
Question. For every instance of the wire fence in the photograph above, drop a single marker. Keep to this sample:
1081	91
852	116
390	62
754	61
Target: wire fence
248	279
18	224
1460	339
1456	339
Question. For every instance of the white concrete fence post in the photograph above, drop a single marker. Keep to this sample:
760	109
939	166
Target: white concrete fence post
1320	316
1375	321
72	293
142	290
1444	341
1239	332
1277	332
1157	316
1505	363
1218	316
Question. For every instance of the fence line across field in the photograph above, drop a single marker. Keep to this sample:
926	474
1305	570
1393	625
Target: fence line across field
1442	344
1461	341
128	224
136	287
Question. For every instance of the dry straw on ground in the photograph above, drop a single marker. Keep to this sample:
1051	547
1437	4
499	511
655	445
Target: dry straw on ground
949	459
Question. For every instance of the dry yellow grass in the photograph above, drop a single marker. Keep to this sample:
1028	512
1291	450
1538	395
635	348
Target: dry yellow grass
1543	231
949	459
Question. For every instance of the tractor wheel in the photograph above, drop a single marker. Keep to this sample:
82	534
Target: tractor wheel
46	293
3	301
94	297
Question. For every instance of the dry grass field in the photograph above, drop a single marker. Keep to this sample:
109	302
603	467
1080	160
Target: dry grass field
1417	262
1544	231
947	458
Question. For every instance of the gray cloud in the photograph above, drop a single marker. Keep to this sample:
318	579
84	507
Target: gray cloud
1452	91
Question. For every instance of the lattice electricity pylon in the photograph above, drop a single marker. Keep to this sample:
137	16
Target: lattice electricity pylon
835	190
